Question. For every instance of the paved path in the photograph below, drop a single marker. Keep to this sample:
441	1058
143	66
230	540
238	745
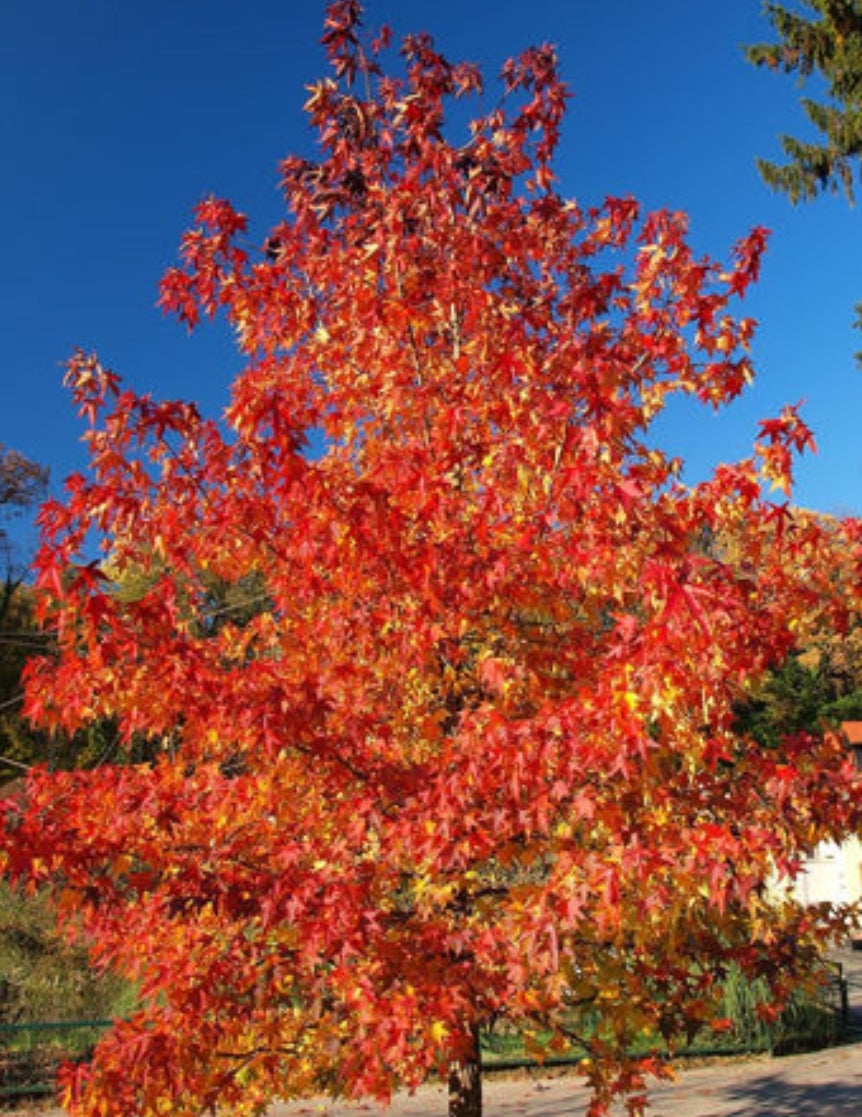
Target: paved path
823	1084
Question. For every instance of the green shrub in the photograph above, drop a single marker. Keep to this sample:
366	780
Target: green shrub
44	978
810	1020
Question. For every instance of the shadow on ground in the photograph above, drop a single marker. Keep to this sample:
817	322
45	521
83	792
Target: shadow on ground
769	1096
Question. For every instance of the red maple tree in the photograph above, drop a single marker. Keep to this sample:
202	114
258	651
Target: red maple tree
441	720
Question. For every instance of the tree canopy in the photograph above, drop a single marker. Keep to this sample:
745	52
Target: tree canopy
461	746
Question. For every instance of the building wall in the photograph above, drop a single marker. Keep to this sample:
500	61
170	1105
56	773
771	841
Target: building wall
833	873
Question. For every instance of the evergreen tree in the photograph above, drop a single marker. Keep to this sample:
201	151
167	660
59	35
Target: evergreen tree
829	46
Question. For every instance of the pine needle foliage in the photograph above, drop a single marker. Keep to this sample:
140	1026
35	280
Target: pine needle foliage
830	47
827	47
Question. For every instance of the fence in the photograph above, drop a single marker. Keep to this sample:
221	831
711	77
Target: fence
819	1021
810	1021
31	1053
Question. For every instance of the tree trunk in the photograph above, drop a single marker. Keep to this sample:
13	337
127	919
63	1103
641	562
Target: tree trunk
465	1082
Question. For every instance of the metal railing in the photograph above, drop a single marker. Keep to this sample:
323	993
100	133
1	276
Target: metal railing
32	1052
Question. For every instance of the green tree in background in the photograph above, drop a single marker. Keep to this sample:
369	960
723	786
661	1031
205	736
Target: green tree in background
819	685
830	47
42	977
22	744
23	484
20	638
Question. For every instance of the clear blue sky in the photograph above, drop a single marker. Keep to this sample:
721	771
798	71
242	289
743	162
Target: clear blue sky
117	117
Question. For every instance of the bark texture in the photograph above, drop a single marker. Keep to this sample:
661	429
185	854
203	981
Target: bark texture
465	1082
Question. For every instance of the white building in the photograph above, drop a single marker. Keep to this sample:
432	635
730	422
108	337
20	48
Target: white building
833	873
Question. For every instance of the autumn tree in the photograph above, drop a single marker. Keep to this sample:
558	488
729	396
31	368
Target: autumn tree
468	754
